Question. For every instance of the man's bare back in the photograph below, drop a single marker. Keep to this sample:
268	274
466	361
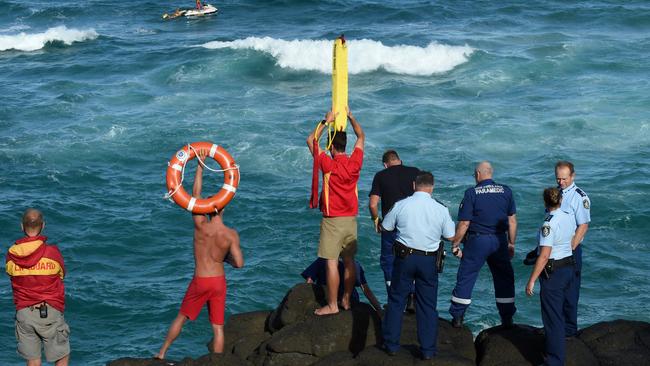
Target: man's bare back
214	243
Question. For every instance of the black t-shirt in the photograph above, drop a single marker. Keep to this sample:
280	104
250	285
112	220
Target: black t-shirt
393	184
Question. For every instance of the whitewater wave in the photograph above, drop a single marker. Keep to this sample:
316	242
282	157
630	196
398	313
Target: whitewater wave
36	41
363	55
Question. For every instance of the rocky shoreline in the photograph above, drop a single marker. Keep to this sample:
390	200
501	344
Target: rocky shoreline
291	335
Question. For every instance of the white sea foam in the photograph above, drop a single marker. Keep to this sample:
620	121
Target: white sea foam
31	42
363	55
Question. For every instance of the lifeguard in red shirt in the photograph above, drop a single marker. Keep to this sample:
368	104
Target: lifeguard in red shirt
37	270
339	204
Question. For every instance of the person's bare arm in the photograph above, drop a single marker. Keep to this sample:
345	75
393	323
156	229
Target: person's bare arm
314	137
581	230
235	256
371	297
544	254
198	184
512	234
373	206
461	229
361	136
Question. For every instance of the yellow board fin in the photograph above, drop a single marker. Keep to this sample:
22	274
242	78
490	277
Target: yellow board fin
340	83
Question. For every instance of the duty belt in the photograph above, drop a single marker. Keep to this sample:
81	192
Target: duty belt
414	251
564	262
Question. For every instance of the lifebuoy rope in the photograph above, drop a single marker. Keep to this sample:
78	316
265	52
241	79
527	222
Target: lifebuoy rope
170	194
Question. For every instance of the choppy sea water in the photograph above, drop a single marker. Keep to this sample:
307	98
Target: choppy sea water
96	96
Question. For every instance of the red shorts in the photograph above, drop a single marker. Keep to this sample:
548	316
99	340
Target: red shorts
206	289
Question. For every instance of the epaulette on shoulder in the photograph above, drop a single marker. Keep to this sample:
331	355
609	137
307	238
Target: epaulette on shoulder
548	218
440	202
581	192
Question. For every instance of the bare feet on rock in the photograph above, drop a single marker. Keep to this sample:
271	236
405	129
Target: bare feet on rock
326	310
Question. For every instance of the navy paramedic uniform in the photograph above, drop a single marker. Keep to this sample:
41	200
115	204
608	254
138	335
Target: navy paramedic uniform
487	207
556	232
420	222
577	204
391	185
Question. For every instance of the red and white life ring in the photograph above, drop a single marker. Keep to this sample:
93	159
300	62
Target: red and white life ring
202	205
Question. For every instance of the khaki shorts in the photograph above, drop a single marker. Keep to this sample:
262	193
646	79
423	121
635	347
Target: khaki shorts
32	331
338	237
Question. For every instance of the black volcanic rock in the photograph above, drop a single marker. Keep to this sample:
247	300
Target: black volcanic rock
619	342
292	335
524	345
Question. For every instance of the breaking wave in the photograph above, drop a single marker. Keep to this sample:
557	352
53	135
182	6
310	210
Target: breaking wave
32	42
363	55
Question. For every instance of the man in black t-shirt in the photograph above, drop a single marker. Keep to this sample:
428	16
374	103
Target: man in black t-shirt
390	185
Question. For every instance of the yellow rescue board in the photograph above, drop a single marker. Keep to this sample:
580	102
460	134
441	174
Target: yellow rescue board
340	83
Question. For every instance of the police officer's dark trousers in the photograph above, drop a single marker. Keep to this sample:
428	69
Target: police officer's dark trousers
387	258
554	293
478	249
571	302
422	269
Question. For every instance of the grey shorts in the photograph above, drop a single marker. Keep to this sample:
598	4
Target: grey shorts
32	332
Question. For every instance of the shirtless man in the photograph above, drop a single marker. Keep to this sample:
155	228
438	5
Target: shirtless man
214	243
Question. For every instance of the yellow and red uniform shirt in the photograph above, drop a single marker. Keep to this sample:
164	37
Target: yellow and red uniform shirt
340	196
36	270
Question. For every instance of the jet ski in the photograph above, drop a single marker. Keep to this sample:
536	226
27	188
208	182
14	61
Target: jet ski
206	9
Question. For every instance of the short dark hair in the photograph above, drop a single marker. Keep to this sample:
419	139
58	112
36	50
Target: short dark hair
565	164
339	140
32	219
424	179
552	197
389	155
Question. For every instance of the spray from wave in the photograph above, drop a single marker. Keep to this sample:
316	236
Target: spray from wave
36	41
363	55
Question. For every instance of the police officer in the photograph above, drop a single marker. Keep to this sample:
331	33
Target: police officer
576	202
488	224
420	222
390	185
555	268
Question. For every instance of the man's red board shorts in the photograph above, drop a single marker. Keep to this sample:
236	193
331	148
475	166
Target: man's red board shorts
206	289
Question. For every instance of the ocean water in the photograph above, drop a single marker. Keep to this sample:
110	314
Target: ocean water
96	96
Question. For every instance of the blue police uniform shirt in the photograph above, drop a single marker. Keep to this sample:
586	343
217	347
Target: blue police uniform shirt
556	232
420	220
576	202
487	206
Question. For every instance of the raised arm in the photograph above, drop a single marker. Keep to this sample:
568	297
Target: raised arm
361	136
314	137
198	185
